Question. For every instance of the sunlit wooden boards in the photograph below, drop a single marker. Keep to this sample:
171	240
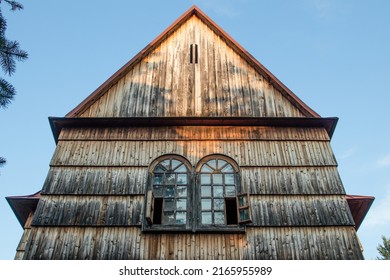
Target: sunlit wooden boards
166	84
261	243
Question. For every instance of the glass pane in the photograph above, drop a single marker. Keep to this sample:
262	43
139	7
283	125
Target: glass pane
169	204
181	218
206	168
170	178
242	201
219	218
212	163
206	218
158	179
205	191
221	163
181	204
165	164
170	191
182	179
217	191
219	204
205	179
168	218
175	163
206	204
217	179
230	191
182	191
159	168
157	191
181	168
244	214
227	168
229	179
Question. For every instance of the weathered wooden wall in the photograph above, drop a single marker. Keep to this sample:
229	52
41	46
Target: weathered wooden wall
192	133
261	243
91	204
165	83
267	210
130	180
141	153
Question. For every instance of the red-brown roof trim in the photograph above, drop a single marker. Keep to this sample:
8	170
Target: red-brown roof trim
359	206
194	10
23	205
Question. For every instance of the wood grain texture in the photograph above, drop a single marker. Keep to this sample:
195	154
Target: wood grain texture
87	180
221	133
272	243
165	83
303	243
96	180
127	210
89	211
292	180
142	153
300	211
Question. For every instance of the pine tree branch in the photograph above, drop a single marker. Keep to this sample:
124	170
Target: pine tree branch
9	51
7	93
384	250
2	161
3	24
14	5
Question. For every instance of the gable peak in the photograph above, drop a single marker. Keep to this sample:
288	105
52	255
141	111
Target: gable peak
237	48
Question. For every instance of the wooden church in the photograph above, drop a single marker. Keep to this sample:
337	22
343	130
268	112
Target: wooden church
192	150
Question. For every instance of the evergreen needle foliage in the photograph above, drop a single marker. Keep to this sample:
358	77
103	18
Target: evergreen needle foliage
2	161
10	52
384	249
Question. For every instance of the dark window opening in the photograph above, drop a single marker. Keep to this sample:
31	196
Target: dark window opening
231	211
158	206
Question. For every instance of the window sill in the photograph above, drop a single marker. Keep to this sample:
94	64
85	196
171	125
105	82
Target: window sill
221	229
202	229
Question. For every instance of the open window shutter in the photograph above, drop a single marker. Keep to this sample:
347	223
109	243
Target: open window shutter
149	207
243	212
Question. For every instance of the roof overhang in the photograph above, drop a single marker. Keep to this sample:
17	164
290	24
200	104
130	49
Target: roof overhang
359	206
57	124
22	206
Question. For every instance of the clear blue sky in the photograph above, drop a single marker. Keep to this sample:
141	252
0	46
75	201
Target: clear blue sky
334	54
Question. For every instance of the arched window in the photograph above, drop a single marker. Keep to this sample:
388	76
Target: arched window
168	199
221	200
216	202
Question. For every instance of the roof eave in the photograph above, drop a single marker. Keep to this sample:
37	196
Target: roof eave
22	206
57	124
359	206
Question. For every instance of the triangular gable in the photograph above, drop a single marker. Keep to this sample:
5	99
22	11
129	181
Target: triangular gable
164	81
